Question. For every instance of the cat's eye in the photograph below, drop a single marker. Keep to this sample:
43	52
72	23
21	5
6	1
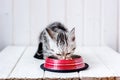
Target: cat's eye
59	54
67	53
73	49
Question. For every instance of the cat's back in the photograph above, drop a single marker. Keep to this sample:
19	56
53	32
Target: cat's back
57	27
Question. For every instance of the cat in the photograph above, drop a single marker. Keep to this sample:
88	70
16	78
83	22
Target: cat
56	40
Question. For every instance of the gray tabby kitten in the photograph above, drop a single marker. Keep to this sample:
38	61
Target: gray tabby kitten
56	40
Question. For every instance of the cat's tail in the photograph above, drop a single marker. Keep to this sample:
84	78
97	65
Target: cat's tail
39	53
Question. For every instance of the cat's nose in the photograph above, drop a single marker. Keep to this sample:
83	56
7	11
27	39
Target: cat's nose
63	57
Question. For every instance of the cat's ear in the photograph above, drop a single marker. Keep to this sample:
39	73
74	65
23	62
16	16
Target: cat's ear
51	33
72	35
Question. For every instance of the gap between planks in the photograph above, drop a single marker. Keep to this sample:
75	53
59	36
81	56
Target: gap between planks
17	61
28	66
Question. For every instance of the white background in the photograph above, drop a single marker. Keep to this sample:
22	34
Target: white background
96	21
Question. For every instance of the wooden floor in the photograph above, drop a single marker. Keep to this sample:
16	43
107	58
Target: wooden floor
18	62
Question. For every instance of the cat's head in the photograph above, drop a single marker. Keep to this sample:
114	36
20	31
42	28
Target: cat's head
64	43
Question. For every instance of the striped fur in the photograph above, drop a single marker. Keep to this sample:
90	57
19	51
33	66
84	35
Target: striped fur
56	40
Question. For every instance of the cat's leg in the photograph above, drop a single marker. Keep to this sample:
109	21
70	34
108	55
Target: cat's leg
48	53
39	53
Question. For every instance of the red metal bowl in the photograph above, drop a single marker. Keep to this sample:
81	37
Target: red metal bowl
55	64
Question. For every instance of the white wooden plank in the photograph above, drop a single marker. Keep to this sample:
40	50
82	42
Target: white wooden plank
110	58
38	19
109	22
99	59
96	67
56	11
28	66
60	75
8	59
91	22
21	22
75	18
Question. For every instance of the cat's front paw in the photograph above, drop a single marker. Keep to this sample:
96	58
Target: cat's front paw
39	56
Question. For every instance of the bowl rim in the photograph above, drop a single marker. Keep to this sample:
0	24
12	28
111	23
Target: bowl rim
74	61
50	57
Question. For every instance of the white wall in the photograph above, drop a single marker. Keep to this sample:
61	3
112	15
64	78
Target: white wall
96	21
5	23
